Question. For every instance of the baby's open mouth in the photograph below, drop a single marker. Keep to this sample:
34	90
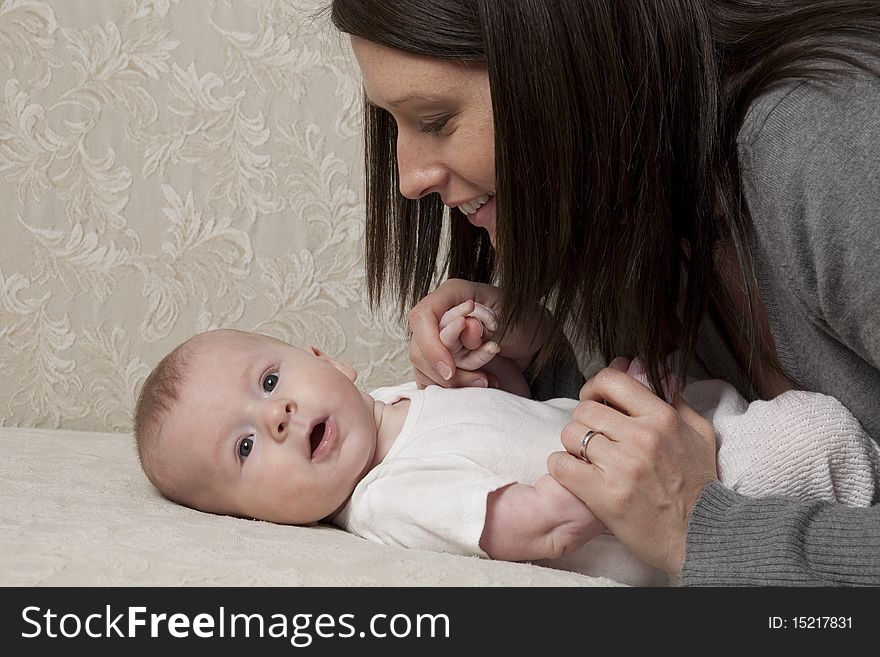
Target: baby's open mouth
317	435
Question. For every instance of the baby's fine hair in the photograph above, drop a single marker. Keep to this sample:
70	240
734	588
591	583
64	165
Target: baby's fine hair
158	395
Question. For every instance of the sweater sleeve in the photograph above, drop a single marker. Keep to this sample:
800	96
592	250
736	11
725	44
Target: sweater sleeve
812	174
739	541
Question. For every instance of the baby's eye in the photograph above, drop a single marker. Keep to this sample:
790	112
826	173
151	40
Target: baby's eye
269	382
244	448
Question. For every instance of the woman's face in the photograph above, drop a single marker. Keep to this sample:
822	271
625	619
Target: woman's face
443	112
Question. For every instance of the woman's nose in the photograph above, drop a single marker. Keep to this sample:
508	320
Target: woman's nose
420	172
278	417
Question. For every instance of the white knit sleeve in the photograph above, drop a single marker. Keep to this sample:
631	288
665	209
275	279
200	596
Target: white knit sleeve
800	444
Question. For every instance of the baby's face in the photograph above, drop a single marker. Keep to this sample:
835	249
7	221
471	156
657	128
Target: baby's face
267	430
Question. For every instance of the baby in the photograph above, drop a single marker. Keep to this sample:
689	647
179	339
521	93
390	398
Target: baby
243	424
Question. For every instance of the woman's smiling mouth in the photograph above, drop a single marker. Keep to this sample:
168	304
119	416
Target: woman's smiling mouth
484	217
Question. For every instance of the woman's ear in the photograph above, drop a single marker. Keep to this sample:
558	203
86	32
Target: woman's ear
342	366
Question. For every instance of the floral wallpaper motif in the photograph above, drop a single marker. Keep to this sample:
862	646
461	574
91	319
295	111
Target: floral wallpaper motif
169	166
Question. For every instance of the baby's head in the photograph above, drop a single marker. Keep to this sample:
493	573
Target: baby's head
243	424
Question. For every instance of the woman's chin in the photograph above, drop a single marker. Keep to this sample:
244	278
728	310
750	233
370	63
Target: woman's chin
485	218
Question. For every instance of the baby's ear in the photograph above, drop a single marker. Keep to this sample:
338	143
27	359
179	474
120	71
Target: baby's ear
342	366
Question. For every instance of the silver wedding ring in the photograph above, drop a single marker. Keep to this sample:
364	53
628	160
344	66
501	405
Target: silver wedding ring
586	441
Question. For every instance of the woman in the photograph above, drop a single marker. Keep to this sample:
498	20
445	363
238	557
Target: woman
677	174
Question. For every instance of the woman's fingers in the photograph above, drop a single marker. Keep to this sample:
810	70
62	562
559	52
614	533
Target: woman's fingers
461	379
585	479
621	391
586	443
425	376
643	470
596	416
427	352
696	421
421	380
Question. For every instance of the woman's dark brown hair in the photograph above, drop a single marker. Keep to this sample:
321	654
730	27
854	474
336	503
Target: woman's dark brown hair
617	176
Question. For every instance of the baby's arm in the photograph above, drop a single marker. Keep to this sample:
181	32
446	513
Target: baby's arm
544	521
461	331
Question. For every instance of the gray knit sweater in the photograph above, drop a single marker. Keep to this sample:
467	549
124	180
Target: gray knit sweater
810	155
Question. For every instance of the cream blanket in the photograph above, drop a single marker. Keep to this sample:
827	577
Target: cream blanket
77	511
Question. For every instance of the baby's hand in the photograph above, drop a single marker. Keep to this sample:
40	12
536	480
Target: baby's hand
575	524
461	331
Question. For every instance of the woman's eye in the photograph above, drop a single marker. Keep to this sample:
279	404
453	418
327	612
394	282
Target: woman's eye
269	382
245	447
435	127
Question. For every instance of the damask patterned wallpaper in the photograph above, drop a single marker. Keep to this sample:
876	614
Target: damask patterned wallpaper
169	166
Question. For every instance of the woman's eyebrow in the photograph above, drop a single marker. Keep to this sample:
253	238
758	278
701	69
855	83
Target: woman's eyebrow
407	99
415	98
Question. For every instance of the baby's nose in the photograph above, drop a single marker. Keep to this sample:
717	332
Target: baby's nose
280	414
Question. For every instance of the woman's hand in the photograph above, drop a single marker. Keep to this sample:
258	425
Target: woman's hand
432	361
649	461
465	315
461	331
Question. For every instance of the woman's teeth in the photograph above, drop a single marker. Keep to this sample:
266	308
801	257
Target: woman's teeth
472	206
